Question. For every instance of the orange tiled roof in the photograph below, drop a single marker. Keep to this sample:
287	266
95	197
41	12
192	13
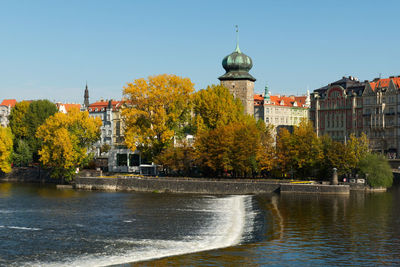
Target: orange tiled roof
382	83
104	104
67	107
9	102
276	100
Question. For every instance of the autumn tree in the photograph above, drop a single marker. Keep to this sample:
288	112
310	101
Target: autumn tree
177	160
6	147
213	150
215	106
17	121
334	156
356	149
342	156
246	148
284	144
236	148
300	151
267	150
157	111
65	140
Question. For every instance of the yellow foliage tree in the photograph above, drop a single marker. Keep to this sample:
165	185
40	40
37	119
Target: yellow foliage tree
357	148
236	148
214	107
300	151
6	147
17	120
267	158
65	140
157	110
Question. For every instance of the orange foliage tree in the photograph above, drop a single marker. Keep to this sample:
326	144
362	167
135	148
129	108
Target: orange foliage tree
157	110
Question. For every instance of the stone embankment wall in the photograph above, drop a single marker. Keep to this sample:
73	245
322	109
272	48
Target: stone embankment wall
203	186
315	188
196	186
27	174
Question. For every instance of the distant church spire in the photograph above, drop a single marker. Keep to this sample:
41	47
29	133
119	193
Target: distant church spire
86	101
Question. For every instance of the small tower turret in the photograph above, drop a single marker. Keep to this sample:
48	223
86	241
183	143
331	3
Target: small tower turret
237	78
267	94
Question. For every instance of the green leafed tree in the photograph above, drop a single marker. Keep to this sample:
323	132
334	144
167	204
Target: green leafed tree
38	112
377	170
22	155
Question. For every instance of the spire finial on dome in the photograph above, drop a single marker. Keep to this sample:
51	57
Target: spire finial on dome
237	40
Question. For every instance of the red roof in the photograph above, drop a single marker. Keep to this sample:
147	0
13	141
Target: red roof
383	83
276	100
9	102
104	104
68	107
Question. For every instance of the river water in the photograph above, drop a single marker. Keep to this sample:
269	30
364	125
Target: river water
43	226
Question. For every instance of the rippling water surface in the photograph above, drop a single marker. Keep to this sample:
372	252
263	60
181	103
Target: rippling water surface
42	226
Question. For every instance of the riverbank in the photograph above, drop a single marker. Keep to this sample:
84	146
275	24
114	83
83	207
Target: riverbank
204	186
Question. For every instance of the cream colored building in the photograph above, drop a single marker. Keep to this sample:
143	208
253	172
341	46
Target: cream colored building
281	111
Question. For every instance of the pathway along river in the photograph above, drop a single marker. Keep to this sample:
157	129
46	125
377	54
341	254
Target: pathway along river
43	226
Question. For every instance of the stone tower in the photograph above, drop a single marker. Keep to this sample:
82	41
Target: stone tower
237	78
86	97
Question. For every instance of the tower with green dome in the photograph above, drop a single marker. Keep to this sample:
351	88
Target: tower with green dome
237	78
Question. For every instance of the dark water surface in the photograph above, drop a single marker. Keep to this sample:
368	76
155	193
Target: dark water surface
43	226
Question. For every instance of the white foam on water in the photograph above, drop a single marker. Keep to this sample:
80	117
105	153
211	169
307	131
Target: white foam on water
6	211
226	228
20	228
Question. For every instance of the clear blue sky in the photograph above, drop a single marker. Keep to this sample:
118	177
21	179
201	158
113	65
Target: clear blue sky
48	49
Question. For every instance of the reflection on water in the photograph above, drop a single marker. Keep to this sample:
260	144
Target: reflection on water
42	225
309	229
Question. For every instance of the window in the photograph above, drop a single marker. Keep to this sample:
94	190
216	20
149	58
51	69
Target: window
118	128
134	160
122	159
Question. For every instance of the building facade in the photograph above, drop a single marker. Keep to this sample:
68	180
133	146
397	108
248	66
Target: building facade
337	109
281	111
349	106
111	148
5	110
381	110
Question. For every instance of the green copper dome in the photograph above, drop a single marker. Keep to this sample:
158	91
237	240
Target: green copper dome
237	66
